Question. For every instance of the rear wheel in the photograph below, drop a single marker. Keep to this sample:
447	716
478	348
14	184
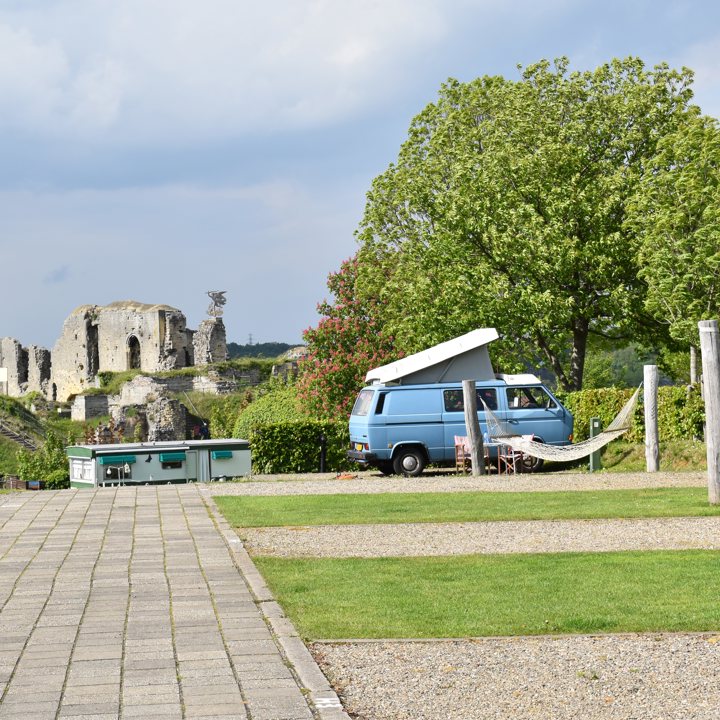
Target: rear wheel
410	462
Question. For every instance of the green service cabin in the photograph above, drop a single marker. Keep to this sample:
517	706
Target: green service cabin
158	462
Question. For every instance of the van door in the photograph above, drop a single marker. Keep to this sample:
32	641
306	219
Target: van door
414	416
454	414
532	410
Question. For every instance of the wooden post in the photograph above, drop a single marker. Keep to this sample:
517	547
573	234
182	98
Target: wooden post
650	395
477	453
693	365
710	351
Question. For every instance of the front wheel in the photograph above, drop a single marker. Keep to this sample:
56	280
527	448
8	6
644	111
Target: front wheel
409	462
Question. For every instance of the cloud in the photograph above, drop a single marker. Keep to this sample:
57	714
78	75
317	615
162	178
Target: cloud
145	71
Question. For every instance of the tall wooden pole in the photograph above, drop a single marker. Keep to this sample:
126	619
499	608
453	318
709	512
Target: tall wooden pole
693	365
477	453
710	351
650	399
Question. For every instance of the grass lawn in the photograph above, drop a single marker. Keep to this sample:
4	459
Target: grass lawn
257	511
476	595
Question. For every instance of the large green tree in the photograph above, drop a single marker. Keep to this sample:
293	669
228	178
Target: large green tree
677	214
506	207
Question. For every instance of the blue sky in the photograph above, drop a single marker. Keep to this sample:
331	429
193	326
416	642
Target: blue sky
156	149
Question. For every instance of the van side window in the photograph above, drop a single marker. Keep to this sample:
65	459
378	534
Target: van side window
454	401
524	398
380	403
488	396
363	402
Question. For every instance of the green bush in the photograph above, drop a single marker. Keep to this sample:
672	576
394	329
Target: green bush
294	446
40	464
279	404
680	414
57	480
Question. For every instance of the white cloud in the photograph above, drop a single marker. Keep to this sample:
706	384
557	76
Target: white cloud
149	70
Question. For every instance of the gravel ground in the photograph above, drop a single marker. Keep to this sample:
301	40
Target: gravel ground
643	677
369	482
534	536
612	677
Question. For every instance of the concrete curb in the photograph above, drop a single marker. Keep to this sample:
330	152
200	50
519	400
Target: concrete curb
322	698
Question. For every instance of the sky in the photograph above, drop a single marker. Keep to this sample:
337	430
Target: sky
154	150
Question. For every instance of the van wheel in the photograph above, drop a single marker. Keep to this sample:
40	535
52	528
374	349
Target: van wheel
409	462
532	464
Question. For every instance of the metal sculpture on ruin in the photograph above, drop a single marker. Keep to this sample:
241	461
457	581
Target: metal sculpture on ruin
218	300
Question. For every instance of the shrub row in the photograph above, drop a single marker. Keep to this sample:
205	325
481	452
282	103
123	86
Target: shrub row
681	413
294	446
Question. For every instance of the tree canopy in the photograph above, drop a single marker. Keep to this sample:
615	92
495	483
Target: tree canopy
347	342
676	211
507	208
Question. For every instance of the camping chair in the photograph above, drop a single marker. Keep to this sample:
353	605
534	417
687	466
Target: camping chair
510	460
463	460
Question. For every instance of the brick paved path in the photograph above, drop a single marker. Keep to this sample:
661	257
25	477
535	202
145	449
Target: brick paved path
129	603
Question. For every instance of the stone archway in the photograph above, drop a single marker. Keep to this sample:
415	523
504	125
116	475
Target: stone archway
133	353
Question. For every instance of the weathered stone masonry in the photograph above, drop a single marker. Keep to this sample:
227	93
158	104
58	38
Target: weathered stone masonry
121	336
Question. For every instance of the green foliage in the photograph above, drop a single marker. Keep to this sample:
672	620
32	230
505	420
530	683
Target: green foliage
112	382
676	210
506	209
279	402
294	446
57	480
347	342
40	464
257	350
225	411
680	414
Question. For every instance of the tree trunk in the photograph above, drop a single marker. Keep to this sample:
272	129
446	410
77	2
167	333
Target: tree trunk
577	358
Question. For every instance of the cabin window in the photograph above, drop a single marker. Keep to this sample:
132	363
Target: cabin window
455	402
528	398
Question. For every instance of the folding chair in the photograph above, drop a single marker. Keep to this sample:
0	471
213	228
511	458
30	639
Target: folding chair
463	460
509	460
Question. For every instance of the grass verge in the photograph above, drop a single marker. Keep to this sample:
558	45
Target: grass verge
474	596
276	511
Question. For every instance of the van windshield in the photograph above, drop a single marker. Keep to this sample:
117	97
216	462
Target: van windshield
363	402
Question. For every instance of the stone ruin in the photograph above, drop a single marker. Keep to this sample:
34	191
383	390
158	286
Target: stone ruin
124	335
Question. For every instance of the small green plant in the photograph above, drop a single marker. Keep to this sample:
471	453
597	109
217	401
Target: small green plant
40	464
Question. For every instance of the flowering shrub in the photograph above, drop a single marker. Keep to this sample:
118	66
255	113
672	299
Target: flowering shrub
347	342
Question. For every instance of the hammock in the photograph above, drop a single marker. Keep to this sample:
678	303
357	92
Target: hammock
500	432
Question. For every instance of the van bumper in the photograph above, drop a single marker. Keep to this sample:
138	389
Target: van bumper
361	456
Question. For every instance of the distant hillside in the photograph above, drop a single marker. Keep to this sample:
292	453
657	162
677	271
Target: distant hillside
257	350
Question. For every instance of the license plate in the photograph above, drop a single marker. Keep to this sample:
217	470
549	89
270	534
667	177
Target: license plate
359	447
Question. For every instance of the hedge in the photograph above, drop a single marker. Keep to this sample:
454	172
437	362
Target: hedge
681	412
294	446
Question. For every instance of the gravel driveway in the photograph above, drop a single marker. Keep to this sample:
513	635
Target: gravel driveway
613	677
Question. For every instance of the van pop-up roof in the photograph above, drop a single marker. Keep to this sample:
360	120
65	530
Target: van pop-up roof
463	358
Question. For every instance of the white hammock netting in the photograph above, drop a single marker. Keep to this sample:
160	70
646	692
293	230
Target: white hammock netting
500	432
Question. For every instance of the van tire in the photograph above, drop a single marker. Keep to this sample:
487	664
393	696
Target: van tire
532	464
410	462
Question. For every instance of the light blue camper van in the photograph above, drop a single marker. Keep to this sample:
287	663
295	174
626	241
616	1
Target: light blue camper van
410	414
